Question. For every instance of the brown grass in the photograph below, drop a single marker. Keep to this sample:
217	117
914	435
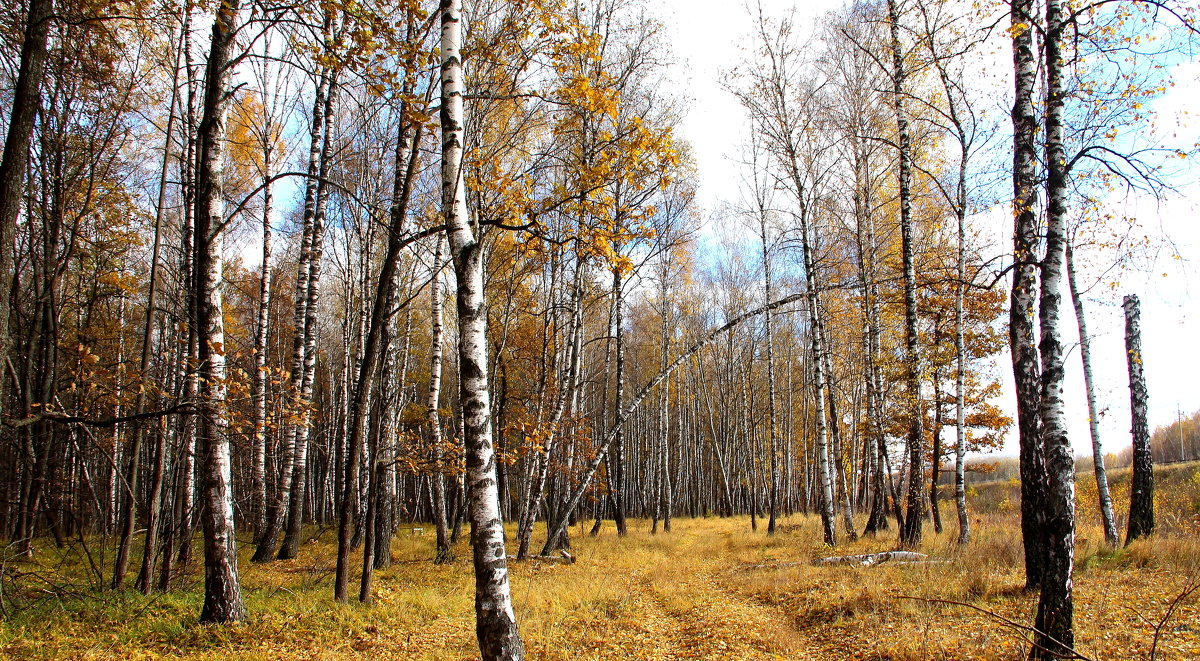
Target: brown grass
711	589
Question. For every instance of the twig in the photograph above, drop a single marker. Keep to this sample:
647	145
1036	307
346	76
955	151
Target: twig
1191	587
1016	625
182	408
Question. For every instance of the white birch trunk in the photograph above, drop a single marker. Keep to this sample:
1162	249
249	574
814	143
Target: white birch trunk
1085	353
222	594
442	551
495	622
1055	615
1022	344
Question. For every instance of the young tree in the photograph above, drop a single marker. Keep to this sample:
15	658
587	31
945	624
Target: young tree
1085	355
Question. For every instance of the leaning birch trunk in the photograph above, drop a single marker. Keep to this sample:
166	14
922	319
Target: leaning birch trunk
222	595
1026	374
910	532
1055	614
1141	492
495	622
1111	536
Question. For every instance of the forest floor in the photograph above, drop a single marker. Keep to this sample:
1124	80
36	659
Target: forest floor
710	589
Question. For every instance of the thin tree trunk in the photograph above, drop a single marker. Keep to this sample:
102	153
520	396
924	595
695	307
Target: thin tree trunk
960	359
372	348
617	460
910	532
838	454
261	378
299	482
442	551
771	412
277	510
936	465
131	478
1085	352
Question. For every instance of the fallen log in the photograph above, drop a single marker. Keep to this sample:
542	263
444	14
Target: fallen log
770	565
872	559
563	557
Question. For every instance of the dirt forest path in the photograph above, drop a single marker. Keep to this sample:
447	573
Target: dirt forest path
681	608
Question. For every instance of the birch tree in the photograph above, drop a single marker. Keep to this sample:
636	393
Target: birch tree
495	623
1103	496
222	593
1026	370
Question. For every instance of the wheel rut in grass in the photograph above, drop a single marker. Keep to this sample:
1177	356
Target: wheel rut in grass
708	621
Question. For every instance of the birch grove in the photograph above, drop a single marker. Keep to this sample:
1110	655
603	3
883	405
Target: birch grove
271	270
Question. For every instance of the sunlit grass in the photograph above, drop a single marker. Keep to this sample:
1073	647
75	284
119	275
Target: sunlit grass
711	588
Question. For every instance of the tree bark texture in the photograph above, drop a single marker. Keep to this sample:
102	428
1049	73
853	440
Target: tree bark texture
222	594
1022	345
1055	615
1141	492
910	532
495	622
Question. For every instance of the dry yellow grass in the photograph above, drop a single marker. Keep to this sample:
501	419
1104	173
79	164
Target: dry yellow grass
711	589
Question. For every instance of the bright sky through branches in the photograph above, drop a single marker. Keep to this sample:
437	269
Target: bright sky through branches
708	38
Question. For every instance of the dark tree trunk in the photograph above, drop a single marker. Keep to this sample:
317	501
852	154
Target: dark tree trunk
910	532
1026	372
26	103
1141	492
